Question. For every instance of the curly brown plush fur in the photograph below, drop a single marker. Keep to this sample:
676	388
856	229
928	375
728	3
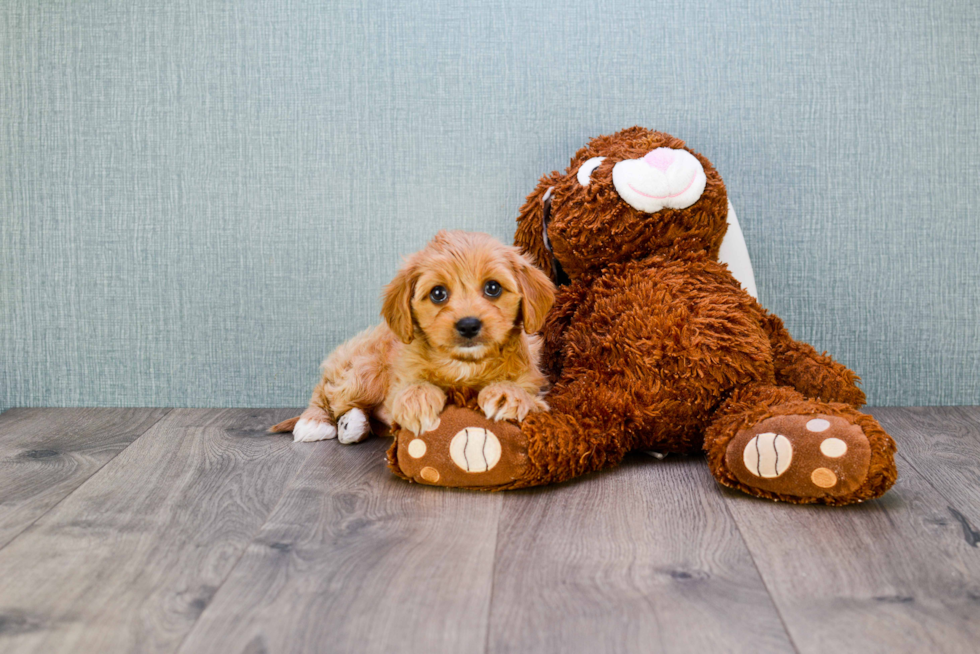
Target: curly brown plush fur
653	345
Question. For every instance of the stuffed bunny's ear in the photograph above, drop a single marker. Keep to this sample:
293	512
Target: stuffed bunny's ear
530	236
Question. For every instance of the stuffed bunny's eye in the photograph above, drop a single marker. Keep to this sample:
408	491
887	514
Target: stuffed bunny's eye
585	171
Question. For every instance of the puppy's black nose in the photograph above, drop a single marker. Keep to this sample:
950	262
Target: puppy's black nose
468	327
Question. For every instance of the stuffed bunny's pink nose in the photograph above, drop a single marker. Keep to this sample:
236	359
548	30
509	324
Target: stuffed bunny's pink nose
661	158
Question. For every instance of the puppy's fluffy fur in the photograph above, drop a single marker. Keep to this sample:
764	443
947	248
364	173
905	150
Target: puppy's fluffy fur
400	370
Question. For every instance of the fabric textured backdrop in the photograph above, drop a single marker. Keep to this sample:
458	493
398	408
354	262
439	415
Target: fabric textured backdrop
198	200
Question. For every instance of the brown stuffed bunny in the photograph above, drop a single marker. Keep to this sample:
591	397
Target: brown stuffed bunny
653	345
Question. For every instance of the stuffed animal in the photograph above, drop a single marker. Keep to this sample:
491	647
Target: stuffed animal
652	344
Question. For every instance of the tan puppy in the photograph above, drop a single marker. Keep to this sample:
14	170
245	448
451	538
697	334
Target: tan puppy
461	313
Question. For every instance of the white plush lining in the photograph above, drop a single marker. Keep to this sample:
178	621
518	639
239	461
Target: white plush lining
736	255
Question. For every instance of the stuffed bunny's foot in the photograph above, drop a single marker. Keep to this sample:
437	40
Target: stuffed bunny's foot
466	450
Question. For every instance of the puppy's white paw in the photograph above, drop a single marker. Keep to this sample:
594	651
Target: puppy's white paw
353	427
308	430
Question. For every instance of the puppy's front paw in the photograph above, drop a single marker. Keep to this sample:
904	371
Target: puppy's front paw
314	425
417	407
508	401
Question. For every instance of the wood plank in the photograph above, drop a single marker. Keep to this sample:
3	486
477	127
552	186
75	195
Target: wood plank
943	445
45	454
129	560
637	559
894	575
356	560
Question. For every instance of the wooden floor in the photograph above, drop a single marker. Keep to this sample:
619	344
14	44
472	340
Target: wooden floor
190	530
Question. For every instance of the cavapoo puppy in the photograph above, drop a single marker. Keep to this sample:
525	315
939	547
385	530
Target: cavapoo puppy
460	314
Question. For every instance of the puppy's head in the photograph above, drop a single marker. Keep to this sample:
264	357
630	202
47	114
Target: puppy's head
465	293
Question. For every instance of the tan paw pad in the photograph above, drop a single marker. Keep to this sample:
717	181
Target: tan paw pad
823	478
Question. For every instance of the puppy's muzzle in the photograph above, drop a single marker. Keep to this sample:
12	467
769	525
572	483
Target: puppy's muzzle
469	327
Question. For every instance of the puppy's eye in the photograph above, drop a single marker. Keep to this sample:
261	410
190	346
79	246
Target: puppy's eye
492	289
584	175
439	294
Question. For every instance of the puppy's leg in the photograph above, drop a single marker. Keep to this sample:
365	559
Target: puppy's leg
416	407
354	375
314	424
353	427
508	401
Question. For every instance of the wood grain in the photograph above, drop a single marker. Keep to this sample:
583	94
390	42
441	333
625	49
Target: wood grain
356	560
637	559
891	575
207	535
45	454
130	559
943	445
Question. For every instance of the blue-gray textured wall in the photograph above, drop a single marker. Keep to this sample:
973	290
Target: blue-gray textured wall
199	199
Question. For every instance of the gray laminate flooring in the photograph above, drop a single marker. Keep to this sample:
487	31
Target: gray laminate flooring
192	530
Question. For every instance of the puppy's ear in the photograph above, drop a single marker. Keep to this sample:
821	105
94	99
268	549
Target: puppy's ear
537	293
396	306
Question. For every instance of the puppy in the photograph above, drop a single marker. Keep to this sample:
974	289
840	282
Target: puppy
462	313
